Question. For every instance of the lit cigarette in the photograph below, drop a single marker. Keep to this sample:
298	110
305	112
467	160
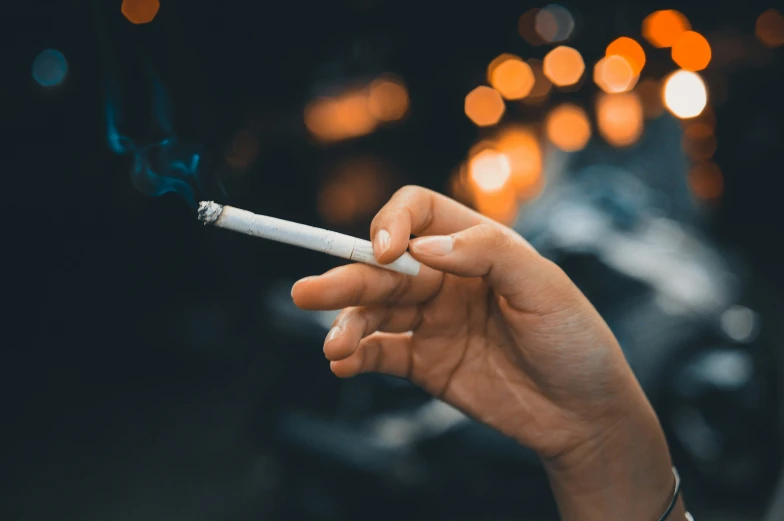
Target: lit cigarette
301	235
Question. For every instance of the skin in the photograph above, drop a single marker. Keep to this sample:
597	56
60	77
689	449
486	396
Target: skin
498	331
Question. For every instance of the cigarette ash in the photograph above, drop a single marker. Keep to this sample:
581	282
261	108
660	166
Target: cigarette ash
209	212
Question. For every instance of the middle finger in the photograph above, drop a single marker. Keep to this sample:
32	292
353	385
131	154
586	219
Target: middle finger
363	285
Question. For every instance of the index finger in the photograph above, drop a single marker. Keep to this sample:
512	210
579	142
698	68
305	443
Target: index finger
418	211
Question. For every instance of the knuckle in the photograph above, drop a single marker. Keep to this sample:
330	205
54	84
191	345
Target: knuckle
349	313
399	290
496	237
410	191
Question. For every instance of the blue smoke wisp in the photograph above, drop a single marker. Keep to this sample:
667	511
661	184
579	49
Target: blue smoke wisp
161	166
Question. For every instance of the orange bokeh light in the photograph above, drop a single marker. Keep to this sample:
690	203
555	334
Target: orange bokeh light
564	66
501	206
353	190
568	128
521	147
620	118
691	51
488	178
706	180
140	11
614	74
498	60
388	99
699	141
650	92
663	28
769	28
343	117
526	26
695	129
357	111
512	78
489	170
484	106
629	49
542	84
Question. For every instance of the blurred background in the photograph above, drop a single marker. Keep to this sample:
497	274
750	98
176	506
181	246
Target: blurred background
155	369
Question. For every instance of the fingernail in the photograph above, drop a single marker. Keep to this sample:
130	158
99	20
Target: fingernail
436	245
332	335
381	241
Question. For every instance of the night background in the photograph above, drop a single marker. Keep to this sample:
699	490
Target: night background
156	369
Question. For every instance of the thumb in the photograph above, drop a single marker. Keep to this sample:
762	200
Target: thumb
511	266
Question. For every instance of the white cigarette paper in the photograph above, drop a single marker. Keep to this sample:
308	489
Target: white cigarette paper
318	239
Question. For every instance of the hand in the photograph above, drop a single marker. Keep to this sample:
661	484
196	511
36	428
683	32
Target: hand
498	331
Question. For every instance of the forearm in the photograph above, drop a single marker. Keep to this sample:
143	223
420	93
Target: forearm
626	473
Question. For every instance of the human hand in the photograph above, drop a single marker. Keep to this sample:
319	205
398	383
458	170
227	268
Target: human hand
498	331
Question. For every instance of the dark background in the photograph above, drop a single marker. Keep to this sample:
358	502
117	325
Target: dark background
141	378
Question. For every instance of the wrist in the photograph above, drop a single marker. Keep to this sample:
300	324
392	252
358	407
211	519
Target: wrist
624	471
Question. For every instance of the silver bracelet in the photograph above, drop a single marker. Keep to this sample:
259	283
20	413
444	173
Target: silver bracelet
675	495
688	517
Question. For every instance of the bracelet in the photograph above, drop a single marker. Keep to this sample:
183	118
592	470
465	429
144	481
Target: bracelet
675	495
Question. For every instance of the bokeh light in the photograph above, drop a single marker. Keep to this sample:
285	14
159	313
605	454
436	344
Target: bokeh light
619	118
564	66
512	78
526	26
568	128
699	148
495	62
706	180
354	189
542	84
696	129
358	110
699	139
685	94
614	74
521	147
342	117
770	28
554	23
484	106
489	170
707	118
629	49
650	93
691	51
388	99
488	180
50	68
140	11
663	28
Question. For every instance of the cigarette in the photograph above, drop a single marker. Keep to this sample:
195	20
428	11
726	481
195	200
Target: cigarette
318	239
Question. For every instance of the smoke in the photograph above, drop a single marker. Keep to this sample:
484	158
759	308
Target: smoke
160	161
160	166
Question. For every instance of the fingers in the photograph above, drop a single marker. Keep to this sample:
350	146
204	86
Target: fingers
356	323
527	281
418	211
385	353
363	285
